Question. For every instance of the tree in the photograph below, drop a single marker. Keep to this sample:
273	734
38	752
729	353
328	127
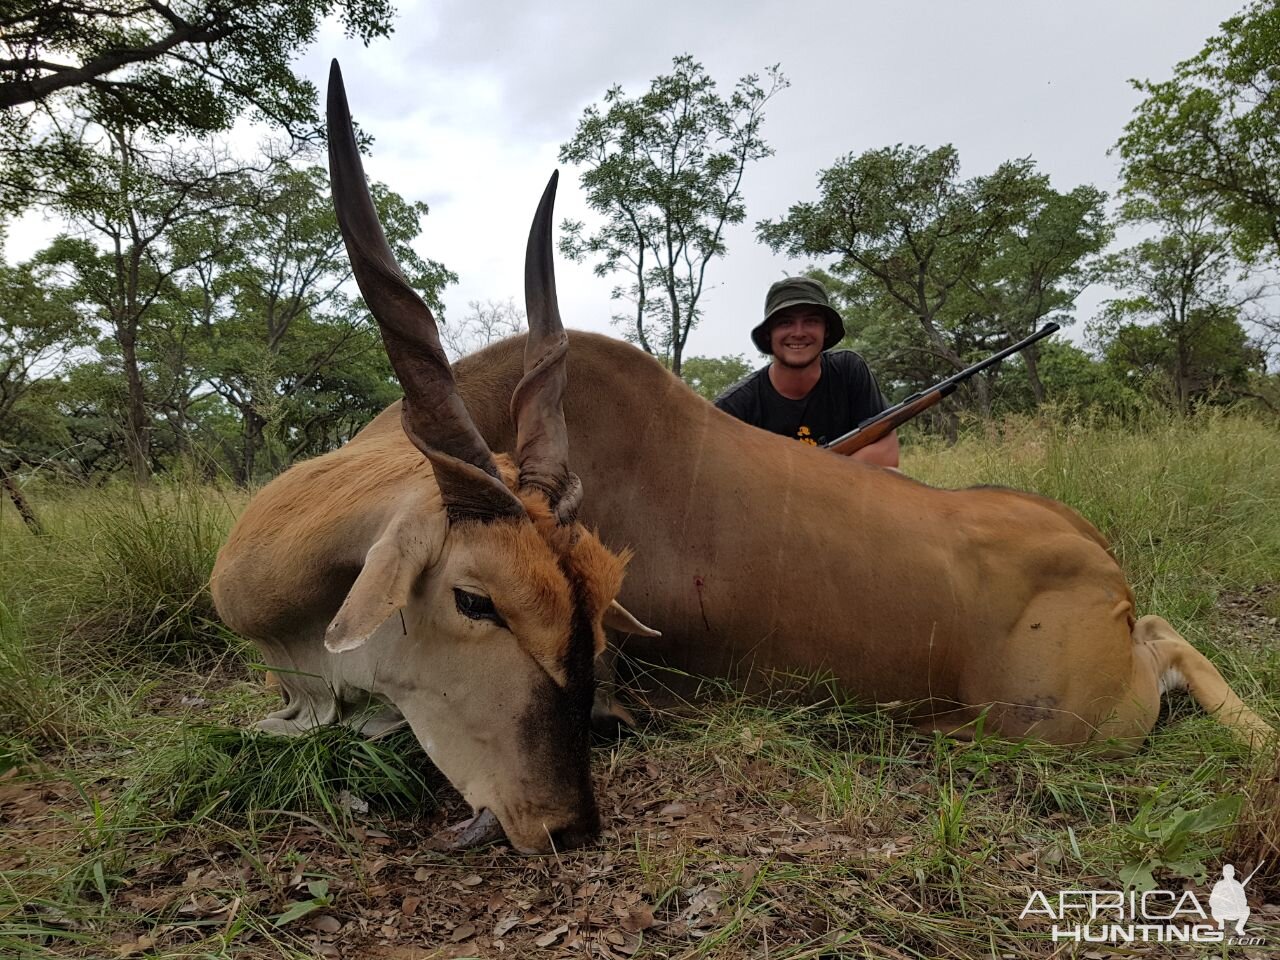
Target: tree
329	408
1038	266
665	170
1076	380
485	323
277	319
163	67
39	328
132	199
1212	132
901	222
1179	315
711	376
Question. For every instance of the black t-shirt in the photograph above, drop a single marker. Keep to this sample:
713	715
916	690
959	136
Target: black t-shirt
844	396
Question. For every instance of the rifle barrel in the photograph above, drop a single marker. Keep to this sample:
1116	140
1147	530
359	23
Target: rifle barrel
947	386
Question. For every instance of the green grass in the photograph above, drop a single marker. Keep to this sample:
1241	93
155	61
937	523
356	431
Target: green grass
141	806
222	771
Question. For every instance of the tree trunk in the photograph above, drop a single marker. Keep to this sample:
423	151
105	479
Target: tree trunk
20	503
1180	376
1030	356
951	426
980	390
137	429
677	344
253	426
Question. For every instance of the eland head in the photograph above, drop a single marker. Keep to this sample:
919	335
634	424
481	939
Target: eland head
488	598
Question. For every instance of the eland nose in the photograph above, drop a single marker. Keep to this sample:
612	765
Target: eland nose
583	831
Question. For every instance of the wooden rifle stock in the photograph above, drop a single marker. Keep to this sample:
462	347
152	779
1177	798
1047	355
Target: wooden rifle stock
884	423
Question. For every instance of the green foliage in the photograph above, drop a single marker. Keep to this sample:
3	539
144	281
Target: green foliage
39	329
1174	841
665	170
277	338
231	340
148	593
126	582
170	69
1179	322
29	711
319	890
972	264
134	202
711	376
1076	384
1212	131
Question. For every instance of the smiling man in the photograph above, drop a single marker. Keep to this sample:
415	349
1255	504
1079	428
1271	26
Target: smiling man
808	391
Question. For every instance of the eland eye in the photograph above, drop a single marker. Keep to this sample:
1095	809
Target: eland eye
476	606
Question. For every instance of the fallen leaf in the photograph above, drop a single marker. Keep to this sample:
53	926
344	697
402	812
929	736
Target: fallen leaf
810	846
349	802
504	926
326	923
141	945
639	918
551	936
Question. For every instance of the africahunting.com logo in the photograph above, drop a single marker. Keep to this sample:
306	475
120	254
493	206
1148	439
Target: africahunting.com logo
1148	916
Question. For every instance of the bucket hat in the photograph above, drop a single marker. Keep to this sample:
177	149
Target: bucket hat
795	292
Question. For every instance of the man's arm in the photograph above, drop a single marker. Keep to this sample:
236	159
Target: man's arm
736	400
867	401
883	453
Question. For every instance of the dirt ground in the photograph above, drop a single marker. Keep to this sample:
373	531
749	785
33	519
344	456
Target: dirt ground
688	865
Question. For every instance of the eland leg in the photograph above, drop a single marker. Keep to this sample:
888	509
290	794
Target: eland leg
316	695
1180	666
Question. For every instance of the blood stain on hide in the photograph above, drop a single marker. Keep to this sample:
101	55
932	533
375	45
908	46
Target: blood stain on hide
698	583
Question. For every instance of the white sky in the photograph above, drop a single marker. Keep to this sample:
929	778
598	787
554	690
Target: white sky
468	103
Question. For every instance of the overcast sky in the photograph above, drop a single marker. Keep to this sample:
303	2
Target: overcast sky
468	103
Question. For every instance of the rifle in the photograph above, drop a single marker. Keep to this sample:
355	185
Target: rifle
886	421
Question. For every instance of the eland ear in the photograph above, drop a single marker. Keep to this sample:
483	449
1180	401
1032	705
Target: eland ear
393	563
618	618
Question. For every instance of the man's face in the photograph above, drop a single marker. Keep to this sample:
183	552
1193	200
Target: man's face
796	336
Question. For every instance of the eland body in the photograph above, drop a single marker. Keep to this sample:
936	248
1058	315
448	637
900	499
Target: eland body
756	554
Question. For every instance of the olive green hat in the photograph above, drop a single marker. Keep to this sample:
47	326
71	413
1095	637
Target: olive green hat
795	292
